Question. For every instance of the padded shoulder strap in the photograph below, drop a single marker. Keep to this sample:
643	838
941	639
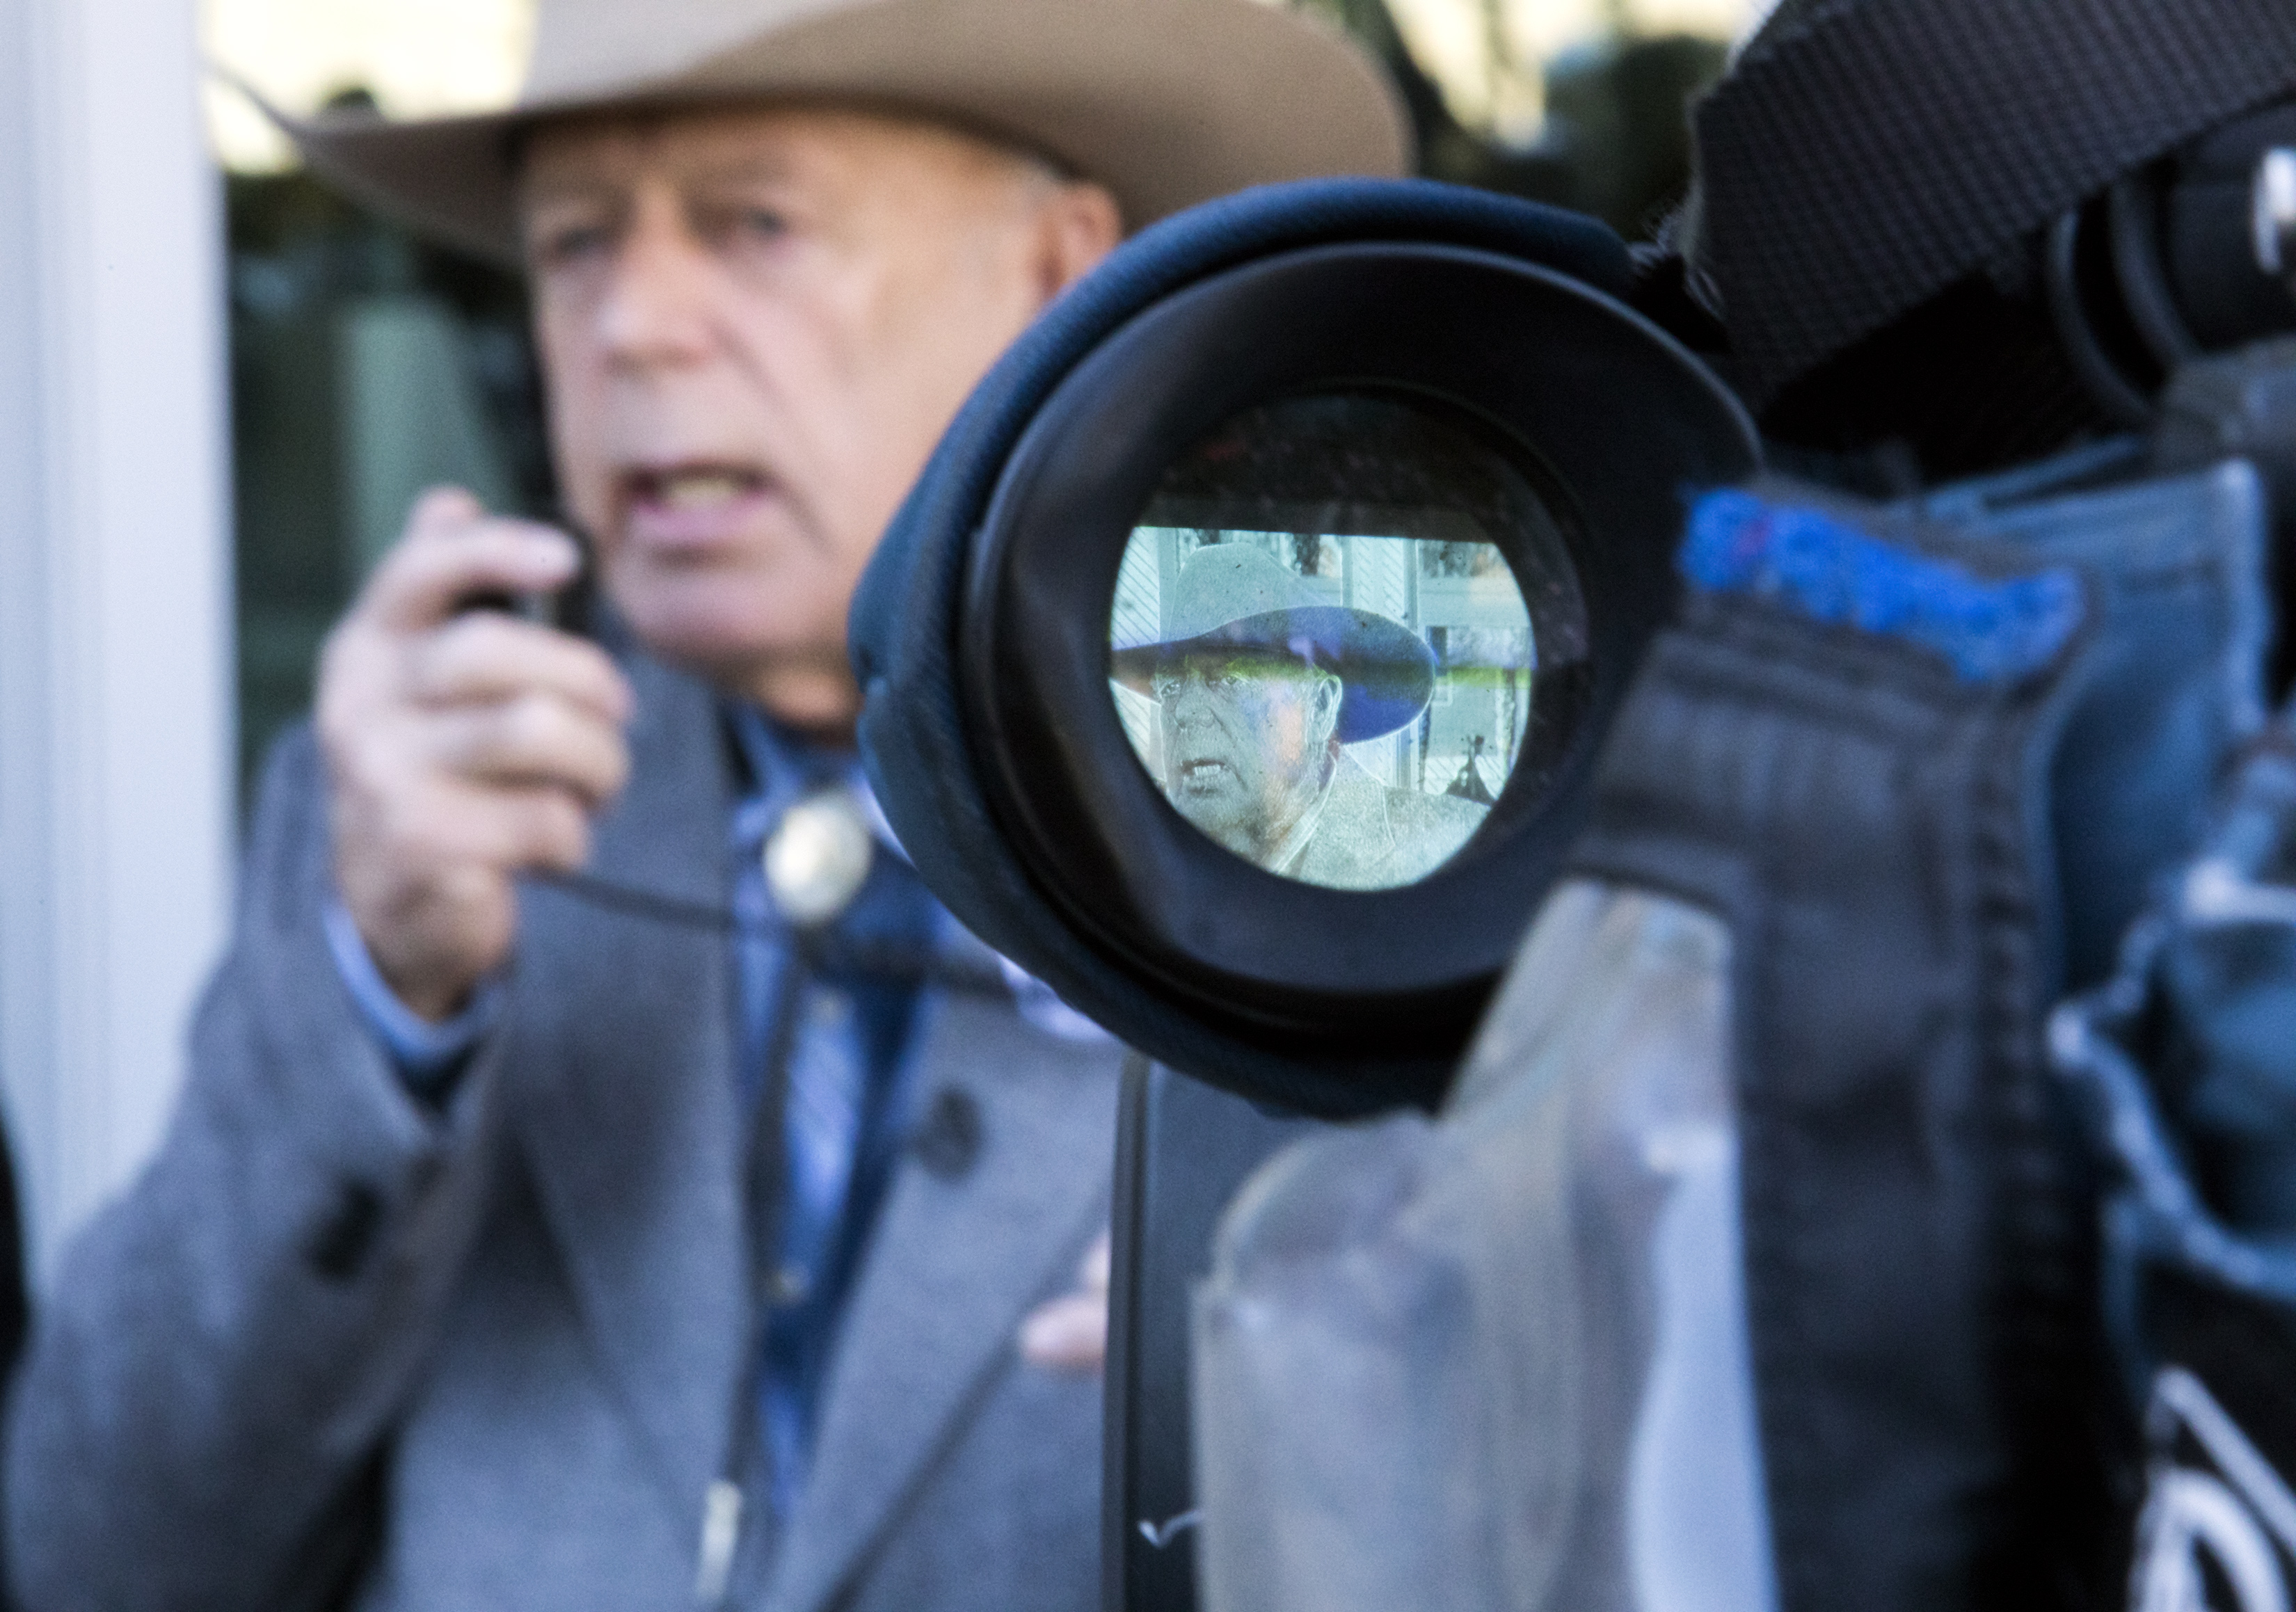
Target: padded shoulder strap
1865	154
1842	750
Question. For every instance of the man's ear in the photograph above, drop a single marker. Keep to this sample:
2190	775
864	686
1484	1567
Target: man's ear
1080	224
1331	691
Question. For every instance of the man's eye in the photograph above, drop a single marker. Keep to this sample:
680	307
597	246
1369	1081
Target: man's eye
740	223
564	245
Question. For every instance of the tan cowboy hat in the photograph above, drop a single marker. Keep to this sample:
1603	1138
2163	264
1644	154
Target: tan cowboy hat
1167	103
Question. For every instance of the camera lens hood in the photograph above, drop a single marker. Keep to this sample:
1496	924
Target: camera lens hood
981	632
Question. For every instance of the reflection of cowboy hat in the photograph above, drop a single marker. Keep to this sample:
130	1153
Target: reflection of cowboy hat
1233	596
1167	103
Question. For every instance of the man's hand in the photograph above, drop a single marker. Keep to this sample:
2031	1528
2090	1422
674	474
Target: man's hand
463	747
1070	1333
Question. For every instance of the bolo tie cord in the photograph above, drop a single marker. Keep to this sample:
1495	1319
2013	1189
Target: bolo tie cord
824	953
819	953
726	1505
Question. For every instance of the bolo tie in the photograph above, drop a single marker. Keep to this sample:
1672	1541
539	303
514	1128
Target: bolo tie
816	861
857	925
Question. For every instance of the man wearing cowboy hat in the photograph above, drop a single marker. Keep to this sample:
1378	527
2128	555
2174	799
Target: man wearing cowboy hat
533	1243
1259	684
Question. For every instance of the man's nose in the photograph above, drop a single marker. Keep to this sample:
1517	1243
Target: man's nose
657	309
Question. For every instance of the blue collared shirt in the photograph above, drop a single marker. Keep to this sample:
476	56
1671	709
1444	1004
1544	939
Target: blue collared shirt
426	1054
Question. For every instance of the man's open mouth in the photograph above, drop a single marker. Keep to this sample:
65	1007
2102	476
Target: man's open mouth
696	506
1205	773
693	486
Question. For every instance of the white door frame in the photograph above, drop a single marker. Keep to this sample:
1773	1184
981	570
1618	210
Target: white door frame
116	686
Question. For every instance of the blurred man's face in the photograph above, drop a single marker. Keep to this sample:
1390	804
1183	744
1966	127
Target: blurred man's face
1247	744
754	325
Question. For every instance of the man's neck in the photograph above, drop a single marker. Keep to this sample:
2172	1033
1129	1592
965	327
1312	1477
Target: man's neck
819	705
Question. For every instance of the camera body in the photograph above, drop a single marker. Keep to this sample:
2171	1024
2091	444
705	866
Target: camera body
1606	1143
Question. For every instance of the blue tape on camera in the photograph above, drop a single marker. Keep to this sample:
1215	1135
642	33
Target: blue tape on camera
1988	629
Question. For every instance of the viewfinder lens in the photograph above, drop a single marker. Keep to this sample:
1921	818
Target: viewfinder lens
1343	625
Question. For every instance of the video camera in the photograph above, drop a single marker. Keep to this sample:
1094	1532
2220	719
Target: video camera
1595	909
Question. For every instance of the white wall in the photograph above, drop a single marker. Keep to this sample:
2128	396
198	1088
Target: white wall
116	819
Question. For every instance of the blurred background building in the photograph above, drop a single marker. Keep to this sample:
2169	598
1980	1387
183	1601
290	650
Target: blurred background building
217	398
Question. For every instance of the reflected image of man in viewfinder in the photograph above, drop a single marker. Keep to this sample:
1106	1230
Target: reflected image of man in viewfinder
1260	684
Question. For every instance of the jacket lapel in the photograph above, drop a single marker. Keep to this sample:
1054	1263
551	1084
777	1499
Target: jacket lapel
627	1108
955	1264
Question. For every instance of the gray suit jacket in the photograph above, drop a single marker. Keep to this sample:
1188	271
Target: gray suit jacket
510	1330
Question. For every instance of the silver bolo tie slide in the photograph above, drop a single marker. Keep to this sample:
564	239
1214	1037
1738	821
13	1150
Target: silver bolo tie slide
818	855
816	861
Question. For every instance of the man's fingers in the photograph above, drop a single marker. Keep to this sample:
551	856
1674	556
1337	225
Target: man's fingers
443	564
462	752
548	830
488	656
515	830
533	740
487	831
440	506
1069	1334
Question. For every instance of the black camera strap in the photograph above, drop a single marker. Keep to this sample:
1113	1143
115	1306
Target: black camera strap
1834	200
1872	823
